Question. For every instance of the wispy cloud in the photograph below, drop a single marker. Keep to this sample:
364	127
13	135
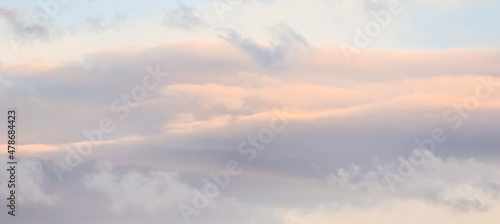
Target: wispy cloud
285	44
184	17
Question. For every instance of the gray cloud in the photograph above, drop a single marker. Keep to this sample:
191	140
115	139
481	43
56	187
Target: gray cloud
153	191
448	182
28	28
286	44
184	17
32	183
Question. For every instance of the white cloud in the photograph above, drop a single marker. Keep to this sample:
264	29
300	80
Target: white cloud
463	186
133	189
30	185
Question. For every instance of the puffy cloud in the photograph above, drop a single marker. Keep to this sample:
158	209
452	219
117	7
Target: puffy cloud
31	185
151	191
464	186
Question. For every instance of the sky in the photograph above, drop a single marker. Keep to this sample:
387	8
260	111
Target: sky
252	111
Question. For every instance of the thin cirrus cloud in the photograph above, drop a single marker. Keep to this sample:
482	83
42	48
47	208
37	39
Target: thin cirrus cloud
183	17
286	42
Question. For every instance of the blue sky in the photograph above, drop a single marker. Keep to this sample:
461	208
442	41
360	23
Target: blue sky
422	25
